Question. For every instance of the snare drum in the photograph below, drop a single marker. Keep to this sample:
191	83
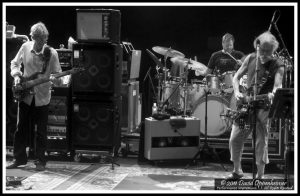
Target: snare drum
213	83
171	92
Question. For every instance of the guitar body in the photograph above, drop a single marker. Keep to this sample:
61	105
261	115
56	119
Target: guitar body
245	108
20	91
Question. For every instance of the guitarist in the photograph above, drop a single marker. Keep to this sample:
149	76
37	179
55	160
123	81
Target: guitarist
270	74
36	57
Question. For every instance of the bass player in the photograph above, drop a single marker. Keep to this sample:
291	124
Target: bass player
35	56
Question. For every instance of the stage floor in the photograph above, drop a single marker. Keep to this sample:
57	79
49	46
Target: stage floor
95	174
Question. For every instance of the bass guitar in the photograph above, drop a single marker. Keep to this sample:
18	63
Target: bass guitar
26	85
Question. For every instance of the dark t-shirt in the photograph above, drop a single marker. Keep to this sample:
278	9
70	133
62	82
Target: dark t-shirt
223	62
266	74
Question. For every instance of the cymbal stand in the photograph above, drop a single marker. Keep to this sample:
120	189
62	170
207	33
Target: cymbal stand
162	102
151	82
159	88
166	102
185	87
205	145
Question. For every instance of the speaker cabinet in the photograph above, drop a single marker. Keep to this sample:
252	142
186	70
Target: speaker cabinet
11	117
102	74
163	142
95	125
98	25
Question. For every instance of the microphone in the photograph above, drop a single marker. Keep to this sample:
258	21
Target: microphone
154	58
23	37
257	43
272	21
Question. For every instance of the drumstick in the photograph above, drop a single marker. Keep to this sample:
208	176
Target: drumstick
231	56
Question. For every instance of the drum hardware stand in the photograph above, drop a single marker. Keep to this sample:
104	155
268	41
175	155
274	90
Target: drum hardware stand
166	102
184	83
185	86
162	86
148	75
205	145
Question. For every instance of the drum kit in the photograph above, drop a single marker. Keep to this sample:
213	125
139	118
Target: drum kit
177	96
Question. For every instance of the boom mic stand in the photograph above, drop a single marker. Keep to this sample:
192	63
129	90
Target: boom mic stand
289	67
205	145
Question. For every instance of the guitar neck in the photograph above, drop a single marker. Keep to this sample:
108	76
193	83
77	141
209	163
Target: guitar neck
35	82
32	83
258	97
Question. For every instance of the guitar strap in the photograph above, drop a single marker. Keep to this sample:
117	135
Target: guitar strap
46	58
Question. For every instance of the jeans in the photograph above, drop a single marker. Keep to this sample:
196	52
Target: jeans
39	117
238	137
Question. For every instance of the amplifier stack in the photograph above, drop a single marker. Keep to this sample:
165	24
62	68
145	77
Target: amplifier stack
96	91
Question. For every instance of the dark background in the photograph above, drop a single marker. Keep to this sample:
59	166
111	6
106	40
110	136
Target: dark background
192	30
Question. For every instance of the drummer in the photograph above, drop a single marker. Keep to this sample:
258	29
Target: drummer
226	59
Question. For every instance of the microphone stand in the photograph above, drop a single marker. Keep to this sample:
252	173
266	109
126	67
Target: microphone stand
254	112
205	148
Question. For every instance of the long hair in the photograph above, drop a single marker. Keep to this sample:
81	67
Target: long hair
266	37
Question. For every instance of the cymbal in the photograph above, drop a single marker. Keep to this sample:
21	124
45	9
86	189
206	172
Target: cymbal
194	65
169	52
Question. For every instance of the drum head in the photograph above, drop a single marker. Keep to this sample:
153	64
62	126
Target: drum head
216	125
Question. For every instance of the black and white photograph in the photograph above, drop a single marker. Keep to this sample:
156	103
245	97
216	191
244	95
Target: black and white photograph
149	97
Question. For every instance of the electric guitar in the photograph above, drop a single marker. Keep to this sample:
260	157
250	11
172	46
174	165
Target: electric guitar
244	106
26	85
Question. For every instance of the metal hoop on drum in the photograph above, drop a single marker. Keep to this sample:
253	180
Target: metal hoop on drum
217	126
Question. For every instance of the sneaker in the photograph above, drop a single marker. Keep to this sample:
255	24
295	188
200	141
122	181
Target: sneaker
40	167
234	176
259	177
15	165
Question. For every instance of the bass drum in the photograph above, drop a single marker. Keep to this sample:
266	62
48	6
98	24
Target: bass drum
217	125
